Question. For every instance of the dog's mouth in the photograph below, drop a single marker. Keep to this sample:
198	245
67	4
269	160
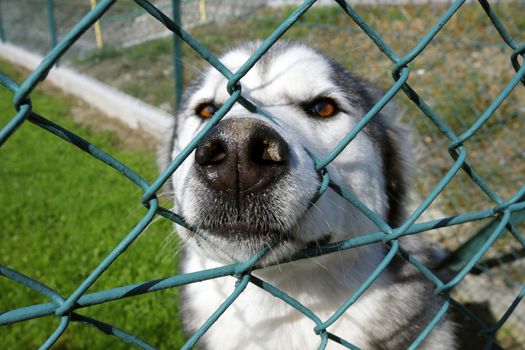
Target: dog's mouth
251	237
239	229
244	231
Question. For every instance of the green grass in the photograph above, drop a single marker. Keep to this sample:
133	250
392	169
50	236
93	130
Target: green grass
62	212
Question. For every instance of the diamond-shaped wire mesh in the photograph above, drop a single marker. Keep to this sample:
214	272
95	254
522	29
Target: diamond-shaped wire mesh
503	209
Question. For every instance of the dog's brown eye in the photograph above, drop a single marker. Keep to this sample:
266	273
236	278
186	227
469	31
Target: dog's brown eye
206	110
324	108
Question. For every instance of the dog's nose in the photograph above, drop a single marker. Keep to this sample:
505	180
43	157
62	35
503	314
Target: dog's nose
241	156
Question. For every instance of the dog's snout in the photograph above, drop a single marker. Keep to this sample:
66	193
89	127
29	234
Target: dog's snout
241	156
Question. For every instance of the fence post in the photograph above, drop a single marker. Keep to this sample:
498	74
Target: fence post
177	56
202	10
2	33
51	22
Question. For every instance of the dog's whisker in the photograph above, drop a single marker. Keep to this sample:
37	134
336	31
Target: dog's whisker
275	259
170	246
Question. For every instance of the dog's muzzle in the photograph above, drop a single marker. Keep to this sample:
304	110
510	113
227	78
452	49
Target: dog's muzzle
241	156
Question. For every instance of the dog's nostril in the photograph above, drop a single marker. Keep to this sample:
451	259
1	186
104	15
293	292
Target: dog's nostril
210	153
267	152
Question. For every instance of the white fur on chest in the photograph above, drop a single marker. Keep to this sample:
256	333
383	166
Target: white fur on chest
258	320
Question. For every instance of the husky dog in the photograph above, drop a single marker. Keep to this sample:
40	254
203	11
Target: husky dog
249	185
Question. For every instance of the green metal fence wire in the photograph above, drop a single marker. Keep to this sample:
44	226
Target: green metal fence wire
51	22
505	213
2	32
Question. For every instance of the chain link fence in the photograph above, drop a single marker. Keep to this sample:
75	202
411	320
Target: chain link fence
458	78
123	25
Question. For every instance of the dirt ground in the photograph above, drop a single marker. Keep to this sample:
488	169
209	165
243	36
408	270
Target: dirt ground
129	138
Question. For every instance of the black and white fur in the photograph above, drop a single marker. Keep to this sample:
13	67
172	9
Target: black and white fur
374	167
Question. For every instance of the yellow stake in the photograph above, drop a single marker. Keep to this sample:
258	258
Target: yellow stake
98	31
202	10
